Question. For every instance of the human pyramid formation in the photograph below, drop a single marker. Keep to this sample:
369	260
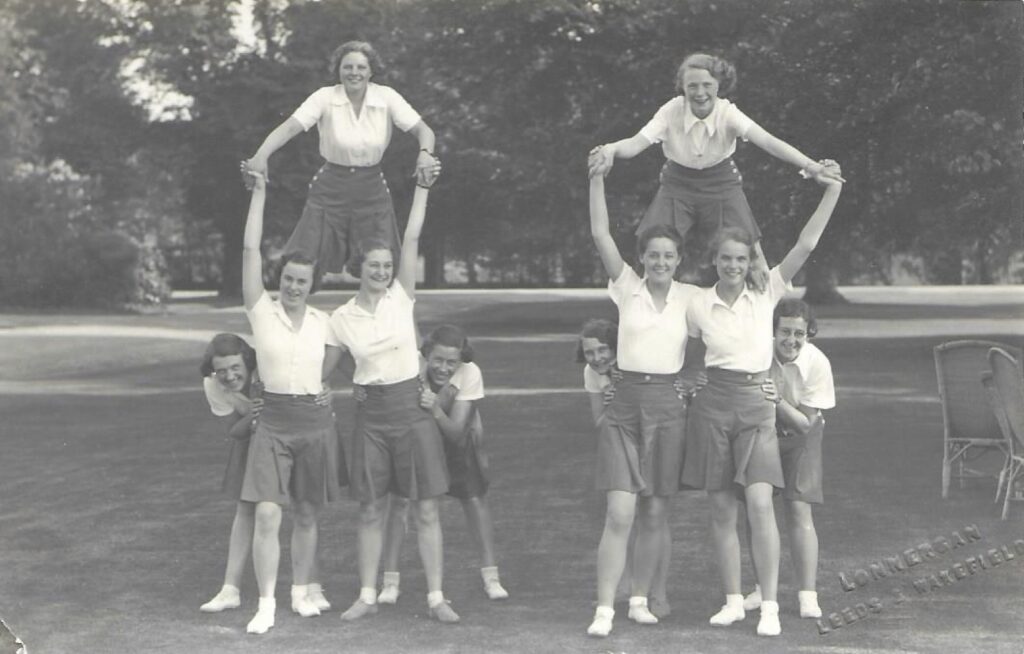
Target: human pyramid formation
695	388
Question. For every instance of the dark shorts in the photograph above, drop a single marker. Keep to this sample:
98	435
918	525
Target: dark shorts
234	472
293	453
698	203
732	439
467	466
346	205
396	447
801	464
641	439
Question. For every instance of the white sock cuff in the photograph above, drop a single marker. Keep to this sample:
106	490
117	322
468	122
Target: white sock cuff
267	603
637	600
604	612
769	607
368	595
734	599
808	594
315	587
435	597
300	589
228	588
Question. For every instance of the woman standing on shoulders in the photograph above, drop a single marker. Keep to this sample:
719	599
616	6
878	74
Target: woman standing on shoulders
348	199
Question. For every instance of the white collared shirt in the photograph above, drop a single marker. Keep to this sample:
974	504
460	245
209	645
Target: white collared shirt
675	127
222	401
807	379
290	360
593	381
469	381
650	341
383	343
738	337
350	140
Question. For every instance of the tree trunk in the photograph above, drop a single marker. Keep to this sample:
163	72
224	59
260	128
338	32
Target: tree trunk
433	263
231	271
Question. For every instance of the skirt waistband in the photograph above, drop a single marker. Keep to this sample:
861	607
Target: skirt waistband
736	376
647	377
724	167
332	167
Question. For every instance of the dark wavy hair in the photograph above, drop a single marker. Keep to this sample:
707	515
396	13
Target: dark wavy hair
448	336
376	65
720	69
302	259
796	308
604	330
658	231
226	345
354	265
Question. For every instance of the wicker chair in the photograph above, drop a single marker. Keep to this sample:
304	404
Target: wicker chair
1006	385
969	426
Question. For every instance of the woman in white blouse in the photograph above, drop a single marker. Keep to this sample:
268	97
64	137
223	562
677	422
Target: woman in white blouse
348	199
396	446
640	444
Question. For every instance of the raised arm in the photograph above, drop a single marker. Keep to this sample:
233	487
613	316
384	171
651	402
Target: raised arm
599	229
252	260
812	231
283	133
411	240
425	136
603	156
786	152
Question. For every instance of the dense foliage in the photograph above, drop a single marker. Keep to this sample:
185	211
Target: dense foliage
920	101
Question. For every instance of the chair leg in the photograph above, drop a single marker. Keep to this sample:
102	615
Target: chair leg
945	475
999	484
1011	476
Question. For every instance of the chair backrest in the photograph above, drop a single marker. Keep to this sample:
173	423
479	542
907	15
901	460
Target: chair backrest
965	408
1009	383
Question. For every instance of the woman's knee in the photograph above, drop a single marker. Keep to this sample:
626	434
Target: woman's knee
305	515
427	513
267	518
800	515
372	513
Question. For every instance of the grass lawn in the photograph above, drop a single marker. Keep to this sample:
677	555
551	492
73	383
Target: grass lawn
112	531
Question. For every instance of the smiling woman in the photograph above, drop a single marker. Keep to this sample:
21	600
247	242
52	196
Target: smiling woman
348	199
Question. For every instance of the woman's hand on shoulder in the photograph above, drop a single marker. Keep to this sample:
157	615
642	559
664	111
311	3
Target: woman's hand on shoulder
427	398
758	274
771	391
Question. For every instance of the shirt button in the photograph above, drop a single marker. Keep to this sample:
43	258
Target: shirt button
749	376
647	378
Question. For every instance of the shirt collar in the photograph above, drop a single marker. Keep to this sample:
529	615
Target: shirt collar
352	308
642	289
713	299
374	97
283	315
689	120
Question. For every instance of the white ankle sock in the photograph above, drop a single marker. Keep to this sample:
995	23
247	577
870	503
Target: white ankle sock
368	595
435	597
